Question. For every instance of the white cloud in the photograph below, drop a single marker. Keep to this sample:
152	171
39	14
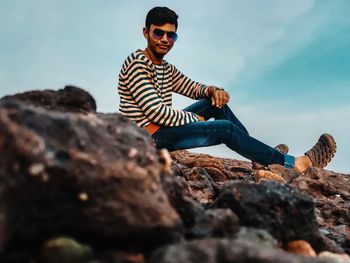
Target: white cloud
235	38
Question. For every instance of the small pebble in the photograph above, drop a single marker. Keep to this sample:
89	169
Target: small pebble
132	152
166	160
301	247
45	178
154	187
324	231
36	169
150	157
336	258
65	250
83	197
341	228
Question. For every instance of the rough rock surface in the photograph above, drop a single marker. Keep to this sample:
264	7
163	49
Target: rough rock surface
280	209
328	189
225	250
90	176
77	182
68	99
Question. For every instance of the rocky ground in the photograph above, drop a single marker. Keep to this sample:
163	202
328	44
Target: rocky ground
81	186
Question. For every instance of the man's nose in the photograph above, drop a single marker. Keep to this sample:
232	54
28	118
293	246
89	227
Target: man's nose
164	38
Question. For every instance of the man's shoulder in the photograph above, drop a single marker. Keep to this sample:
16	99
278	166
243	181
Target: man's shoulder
136	57
168	65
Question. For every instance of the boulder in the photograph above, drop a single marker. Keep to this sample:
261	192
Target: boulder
331	192
93	177
215	223
225	251
177	191
278	208
68	99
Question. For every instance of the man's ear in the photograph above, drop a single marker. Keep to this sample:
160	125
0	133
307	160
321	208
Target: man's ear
145	33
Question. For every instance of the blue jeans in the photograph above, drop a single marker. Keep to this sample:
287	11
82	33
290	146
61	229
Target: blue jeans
225	128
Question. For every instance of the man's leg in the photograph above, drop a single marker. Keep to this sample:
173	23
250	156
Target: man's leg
204	108
208	133
229	130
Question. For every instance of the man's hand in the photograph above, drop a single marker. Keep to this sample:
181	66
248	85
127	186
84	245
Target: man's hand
200	118
220	98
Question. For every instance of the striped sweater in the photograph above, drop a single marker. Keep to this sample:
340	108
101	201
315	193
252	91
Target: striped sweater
145	92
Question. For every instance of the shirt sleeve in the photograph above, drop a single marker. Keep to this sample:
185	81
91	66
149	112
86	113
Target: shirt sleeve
187	87
142	88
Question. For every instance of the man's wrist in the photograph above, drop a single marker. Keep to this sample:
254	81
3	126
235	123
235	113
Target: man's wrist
212	89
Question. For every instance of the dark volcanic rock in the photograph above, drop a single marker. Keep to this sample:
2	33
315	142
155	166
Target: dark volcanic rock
219	169
91	177
201	186
259	236
180	199
199	223
225	251
329	190
332	194
70	98
215	223
280	209
206	175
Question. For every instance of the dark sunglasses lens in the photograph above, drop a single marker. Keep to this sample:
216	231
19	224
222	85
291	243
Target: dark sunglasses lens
158	34
172	36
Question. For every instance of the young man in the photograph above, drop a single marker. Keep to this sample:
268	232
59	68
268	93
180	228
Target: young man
146	83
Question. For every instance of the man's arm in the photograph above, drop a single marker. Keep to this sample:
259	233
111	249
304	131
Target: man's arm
187	87
139	82
183	85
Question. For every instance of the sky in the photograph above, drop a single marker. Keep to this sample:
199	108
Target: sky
286	64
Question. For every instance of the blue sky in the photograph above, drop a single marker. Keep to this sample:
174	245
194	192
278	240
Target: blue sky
286	63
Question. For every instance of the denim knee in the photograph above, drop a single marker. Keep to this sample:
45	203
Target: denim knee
224	130
230	134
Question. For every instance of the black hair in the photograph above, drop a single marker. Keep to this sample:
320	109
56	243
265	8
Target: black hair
160	16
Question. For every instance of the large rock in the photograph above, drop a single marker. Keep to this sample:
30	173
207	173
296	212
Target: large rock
225	251
179	197
280	209
332	194
68	99
91	176
215	223
198	222
329	190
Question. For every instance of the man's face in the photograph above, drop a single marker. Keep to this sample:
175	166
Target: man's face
159	42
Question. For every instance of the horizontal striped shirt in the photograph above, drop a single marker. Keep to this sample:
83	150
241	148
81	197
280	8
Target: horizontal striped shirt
145	91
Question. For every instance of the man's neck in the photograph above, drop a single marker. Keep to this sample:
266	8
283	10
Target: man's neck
153	57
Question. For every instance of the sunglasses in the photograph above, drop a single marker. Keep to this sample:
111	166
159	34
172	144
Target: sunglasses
158	34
